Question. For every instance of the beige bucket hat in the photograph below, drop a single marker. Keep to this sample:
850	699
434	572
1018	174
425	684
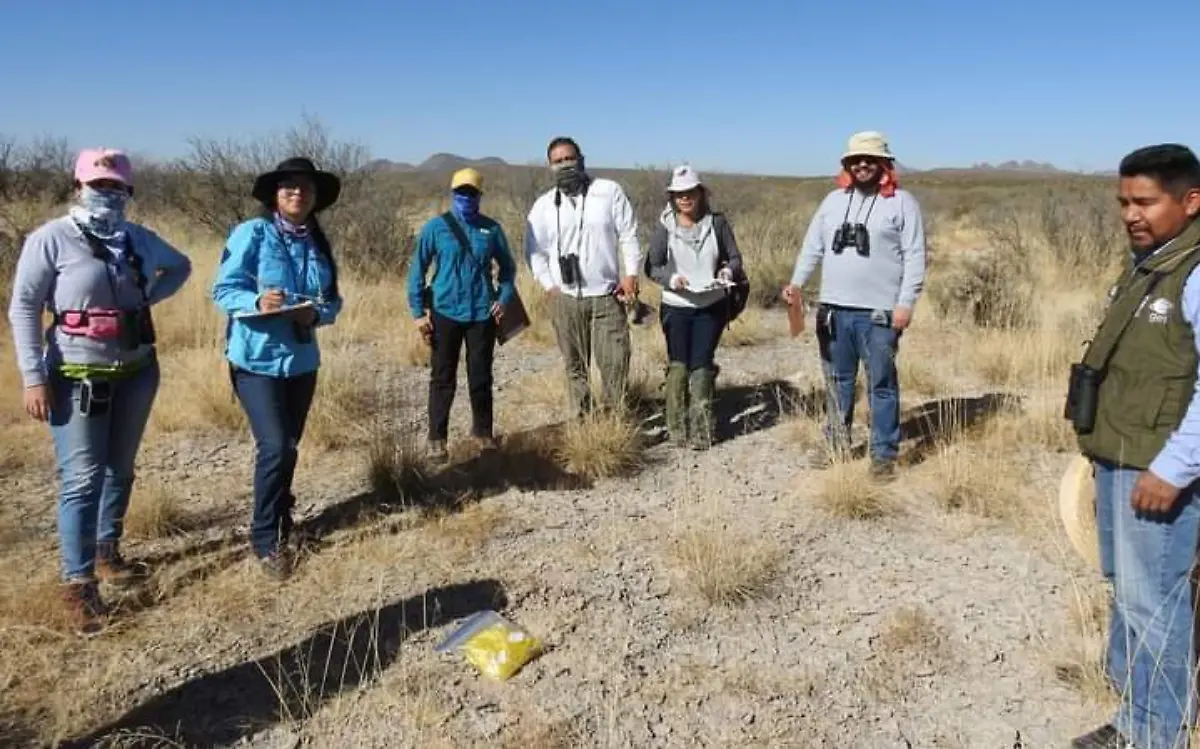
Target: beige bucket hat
868	143
1077	509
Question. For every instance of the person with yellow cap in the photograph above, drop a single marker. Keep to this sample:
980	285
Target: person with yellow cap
461	304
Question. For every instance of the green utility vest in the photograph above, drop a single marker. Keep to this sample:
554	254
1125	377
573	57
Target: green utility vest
1147	383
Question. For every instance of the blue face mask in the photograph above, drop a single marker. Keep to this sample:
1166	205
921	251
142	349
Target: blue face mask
102	211
466	205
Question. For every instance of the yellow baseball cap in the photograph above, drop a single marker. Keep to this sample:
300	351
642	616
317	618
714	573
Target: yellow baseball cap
467	177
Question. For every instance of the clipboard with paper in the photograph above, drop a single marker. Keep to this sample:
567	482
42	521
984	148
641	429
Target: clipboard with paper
284	310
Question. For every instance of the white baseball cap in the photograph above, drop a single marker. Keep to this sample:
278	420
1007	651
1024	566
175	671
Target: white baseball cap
683	178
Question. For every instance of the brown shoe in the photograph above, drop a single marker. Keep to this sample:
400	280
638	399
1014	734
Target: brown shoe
86	612
487	443
112	568
278	564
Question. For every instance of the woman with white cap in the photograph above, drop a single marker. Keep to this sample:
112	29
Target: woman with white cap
694	257
869	236
96	377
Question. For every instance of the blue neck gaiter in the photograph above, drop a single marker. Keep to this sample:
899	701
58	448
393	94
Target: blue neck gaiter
466	206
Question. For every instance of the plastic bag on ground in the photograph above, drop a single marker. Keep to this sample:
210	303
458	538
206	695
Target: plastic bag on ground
493	644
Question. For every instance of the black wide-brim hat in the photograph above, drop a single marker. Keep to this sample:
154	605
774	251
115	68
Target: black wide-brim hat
328	184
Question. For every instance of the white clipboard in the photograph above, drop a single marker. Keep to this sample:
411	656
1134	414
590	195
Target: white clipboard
711	284
273	313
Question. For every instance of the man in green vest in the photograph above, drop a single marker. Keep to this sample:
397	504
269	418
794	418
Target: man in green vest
1134	406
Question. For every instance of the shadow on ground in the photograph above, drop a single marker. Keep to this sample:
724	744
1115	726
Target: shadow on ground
225	706
745	409
938	421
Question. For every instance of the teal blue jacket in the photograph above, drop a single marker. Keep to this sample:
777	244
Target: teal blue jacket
462	287
258	256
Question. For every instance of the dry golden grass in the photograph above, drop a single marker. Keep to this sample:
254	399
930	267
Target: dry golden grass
912	645
154	511
205	604
723	565
845	489
602	444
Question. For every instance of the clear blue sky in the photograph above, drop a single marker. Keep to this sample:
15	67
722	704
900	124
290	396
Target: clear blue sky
748	85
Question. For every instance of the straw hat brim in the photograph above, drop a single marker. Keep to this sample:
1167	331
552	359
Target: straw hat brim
1077	509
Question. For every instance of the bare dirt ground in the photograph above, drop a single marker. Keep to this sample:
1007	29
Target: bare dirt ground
732	598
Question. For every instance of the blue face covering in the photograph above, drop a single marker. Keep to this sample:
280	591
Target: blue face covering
466	206
101	211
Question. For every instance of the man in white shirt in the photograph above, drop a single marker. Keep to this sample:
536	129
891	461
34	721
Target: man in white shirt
576	236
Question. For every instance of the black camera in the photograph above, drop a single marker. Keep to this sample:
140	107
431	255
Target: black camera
1083	397
852	235
568	266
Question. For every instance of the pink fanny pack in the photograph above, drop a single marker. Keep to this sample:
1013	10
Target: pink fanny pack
98	324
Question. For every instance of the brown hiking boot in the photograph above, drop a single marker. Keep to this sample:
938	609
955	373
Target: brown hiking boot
112	568
86	613
278	564
487	443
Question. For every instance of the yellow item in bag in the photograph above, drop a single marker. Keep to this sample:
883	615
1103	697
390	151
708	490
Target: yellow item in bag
494	645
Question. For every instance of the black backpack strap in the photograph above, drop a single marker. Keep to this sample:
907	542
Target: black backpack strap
135	260
463	243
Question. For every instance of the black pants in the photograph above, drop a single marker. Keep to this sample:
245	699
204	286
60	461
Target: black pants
277	409
693	333
448	337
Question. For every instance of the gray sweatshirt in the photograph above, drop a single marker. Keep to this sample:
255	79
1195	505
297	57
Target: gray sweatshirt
894	272
692	253
57	271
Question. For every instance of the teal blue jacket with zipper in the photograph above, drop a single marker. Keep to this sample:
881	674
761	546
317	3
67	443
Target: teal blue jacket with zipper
462	287
257	257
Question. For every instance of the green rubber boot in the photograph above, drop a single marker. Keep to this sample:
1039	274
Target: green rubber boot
700	388
677	403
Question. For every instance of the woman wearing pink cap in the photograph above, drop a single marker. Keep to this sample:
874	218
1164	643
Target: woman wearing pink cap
95	378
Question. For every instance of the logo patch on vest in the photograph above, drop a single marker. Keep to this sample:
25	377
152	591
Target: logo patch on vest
1160	311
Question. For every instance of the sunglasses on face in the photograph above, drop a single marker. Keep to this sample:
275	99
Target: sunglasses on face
291	185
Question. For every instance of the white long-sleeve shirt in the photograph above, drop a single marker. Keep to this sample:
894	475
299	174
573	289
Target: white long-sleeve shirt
603	236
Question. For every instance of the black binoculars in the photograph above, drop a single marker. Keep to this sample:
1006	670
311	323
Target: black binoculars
568	266
1083	397
852	235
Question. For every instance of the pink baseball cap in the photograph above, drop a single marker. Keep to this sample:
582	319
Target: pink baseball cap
103	163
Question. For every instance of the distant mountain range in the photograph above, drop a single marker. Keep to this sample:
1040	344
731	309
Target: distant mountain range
439	162
446	162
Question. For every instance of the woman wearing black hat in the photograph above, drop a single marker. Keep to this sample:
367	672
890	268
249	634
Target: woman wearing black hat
277	283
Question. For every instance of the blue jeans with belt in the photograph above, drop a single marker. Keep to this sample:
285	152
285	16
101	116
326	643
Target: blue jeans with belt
1149	658
854	337
95	453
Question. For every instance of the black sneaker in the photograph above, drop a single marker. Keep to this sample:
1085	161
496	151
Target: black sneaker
1104	737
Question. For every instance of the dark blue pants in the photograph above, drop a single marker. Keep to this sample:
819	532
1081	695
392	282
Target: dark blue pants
693	334
277	409
857	338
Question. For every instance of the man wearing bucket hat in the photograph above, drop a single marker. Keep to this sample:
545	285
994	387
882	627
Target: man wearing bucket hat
277	283
461	305
869	237
1134	404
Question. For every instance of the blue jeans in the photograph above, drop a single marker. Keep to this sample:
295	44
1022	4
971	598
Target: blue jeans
277	409
693	334
1149	658
96	455
857	339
